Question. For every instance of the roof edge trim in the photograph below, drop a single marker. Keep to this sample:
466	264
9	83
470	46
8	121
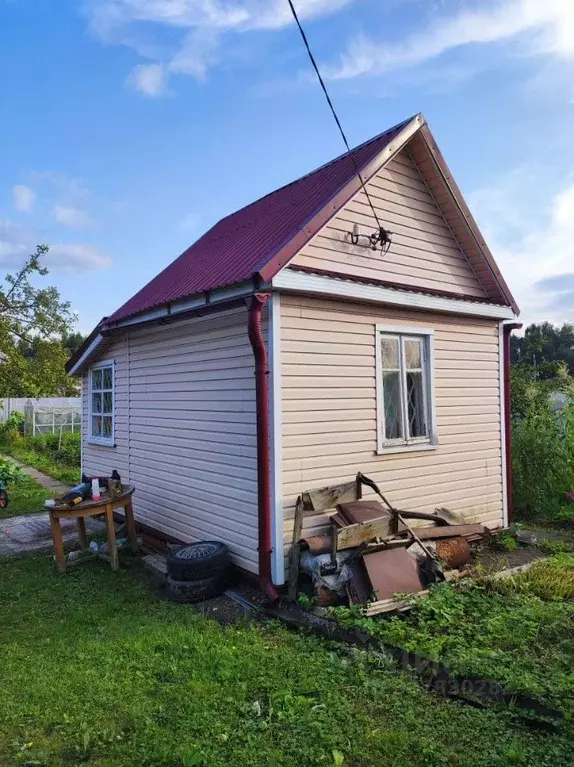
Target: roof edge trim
467	216
319	285
315	223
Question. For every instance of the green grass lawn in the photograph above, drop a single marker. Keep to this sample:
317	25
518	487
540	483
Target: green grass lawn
96	670
25	498
518	633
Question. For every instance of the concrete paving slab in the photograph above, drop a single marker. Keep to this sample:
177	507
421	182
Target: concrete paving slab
31	533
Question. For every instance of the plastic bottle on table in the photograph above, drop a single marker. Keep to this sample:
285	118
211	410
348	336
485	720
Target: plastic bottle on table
96	496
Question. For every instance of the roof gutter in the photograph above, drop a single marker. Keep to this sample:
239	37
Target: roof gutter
202	303
258	301
507	328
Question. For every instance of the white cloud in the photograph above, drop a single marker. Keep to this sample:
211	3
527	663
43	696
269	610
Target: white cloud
74	218
532	242
18	242
23	198
67	188
537	26
183	36
77	257
149	79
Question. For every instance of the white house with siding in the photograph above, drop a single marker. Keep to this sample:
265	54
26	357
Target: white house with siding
288	349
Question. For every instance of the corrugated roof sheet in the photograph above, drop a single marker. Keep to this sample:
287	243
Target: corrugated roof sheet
241	244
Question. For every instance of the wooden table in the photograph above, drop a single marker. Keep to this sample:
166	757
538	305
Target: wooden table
106	505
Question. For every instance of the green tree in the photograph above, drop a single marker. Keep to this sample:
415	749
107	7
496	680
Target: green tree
33	320
73	341
544	343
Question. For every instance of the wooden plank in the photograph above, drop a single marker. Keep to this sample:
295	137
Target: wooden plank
390	605
295	550
82	534
354	535
325	498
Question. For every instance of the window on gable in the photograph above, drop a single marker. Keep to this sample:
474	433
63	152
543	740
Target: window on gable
101	403
404	389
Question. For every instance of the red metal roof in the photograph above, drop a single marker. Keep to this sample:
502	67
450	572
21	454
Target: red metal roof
241	244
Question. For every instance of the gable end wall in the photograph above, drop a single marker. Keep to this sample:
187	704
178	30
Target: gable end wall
424	251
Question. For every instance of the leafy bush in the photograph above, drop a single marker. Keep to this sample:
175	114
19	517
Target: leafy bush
66	450
504	541
15	422
10	473
543	459
12	428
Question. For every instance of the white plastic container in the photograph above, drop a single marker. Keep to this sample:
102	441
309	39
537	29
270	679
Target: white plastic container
96	489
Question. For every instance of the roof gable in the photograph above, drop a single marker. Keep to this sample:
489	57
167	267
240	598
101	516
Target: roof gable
424	253
262	238
243	243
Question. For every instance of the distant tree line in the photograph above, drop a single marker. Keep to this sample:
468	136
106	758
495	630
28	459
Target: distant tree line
542	365
546	348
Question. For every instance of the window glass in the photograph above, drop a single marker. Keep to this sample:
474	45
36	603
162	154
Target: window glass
102	403
393	406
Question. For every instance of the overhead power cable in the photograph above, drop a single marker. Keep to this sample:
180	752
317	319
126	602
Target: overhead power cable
326	92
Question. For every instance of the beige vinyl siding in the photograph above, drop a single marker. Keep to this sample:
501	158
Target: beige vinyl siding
329	410
190	416
424	252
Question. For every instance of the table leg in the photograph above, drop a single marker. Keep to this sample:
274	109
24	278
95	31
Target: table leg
112	548
58	544
82	535
131	525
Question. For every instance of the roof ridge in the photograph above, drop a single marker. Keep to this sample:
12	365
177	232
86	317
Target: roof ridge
321	167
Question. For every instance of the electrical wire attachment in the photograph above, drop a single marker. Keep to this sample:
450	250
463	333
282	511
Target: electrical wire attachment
381	235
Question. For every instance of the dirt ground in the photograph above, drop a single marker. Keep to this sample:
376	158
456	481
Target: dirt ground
488	560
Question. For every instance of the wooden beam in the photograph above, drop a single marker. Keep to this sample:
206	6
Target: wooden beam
326	498
354	535
295	551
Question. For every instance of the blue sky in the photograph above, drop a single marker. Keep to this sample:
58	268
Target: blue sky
130	126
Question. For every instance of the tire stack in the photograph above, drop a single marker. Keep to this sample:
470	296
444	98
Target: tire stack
197	571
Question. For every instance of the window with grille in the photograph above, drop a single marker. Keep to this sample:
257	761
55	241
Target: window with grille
101	403
404	382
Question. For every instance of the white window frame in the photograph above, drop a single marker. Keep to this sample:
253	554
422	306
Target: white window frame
92	438
401	445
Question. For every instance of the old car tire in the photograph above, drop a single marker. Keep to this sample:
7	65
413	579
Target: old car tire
198	590
198	560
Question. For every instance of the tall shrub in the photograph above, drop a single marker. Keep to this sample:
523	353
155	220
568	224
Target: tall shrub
543	460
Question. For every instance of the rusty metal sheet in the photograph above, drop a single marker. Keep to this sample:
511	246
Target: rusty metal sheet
358	512
339	521
450	531
359	588
318	544
454	552
391	572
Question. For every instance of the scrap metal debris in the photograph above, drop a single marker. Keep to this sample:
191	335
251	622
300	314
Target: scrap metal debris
372	552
